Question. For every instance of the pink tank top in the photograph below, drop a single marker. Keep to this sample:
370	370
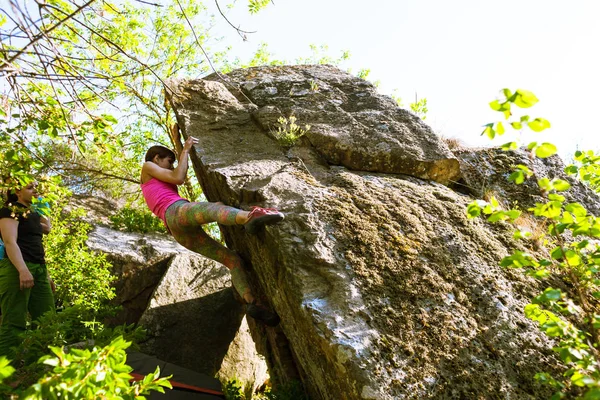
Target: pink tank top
159	196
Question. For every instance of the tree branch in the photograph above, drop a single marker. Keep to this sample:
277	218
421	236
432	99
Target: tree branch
41	35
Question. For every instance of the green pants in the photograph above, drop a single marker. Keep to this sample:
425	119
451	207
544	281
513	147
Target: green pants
16	303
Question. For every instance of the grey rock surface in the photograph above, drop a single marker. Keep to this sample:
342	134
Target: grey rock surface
385	289
485	172
185	302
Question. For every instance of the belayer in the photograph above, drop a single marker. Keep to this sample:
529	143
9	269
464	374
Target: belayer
184	219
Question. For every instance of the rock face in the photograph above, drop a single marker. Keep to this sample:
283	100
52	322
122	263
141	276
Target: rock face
385	289
186	303
485	173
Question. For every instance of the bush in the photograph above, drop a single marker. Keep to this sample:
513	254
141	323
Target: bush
99	373
82	277
136	220
73	325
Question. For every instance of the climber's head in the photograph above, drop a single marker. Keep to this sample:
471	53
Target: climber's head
161	156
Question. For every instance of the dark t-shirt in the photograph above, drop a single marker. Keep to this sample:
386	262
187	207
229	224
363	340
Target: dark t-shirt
29	237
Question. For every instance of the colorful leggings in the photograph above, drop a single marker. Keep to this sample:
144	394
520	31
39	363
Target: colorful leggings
185	221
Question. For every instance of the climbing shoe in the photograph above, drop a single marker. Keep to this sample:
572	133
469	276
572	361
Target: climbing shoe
260	313
260	217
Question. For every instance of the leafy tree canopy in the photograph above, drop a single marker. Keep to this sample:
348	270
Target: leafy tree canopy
71	66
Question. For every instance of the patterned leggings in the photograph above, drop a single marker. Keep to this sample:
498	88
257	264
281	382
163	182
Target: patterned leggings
185	221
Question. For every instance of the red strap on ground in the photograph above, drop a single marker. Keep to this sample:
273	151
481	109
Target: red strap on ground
138	377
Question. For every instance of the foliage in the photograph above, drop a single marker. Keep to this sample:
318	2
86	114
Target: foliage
82	277
136	220
571	316
587	168
292	390
234	390
6	370
523	99
254	6
419	107
99	373
62	87
320	55
262	56
288	132
72	325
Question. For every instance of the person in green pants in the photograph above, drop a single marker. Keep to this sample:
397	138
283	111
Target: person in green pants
24	283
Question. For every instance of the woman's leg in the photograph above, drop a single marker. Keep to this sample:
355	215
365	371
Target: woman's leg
13	302
190	215
185	222
41	299
199	242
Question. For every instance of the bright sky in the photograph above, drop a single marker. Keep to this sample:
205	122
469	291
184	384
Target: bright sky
457	54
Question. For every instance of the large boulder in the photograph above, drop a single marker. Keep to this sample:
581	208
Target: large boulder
384	287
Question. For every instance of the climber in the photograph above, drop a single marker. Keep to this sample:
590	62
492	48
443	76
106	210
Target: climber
184	219
25	285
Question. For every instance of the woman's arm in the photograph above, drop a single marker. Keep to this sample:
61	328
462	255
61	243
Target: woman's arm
9	229
46	225
177	175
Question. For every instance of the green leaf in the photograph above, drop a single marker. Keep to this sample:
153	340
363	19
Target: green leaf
495	105
509	146
573	258
539	124
531	146
473	210
544	184
513	214
556	197
525	98
521	234
567	218
577	209
557	229
545	150
571	169
517	177
552	294
6	369
592	394
516	125
500	128
494	202
496	216
489	131
557	253
560	185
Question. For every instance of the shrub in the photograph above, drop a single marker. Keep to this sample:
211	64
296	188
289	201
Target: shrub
82	277
97	373
136	220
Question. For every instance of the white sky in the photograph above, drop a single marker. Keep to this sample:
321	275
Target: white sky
457	54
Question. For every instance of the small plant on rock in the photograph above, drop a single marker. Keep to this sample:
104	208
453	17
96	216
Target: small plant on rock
288	132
